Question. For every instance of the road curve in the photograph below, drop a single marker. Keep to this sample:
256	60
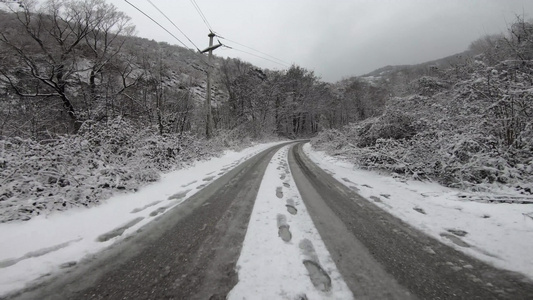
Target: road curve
191	251
381	257
188	253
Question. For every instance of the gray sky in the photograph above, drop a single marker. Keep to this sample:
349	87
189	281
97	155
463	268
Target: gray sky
334	38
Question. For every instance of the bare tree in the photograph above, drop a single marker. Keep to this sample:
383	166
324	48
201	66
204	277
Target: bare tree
48	43
105	42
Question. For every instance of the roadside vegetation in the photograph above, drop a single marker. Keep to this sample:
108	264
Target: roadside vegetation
87	109
465	121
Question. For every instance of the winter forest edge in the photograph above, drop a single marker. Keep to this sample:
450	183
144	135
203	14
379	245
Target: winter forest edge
89	110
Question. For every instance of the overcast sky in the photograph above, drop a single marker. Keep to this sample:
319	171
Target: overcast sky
334	38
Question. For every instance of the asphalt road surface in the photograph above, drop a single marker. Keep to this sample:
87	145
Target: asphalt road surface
191	251
358	233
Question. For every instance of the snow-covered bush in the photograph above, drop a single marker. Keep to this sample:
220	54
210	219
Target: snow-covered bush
391	125
470	134
85	169
333	138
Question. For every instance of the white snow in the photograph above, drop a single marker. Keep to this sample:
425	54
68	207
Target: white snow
500	234
41	245
271	268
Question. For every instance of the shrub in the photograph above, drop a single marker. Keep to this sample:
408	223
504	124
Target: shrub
85	169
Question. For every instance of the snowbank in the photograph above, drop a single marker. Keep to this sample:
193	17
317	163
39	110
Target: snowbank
47	243
498	233
283	255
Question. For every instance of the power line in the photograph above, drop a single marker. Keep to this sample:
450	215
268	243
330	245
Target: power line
201	56
285	65
206	22
193	2
273	57
174	24
157	23
276	61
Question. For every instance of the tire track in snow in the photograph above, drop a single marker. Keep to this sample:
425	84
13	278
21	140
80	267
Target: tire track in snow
283	256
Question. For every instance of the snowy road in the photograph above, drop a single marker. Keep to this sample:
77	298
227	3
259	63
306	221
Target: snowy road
381	256
277	226
189	252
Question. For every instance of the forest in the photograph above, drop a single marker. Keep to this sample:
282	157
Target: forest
464	121
87	109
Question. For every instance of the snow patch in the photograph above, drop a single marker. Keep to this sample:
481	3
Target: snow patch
498	233
283	255
46	244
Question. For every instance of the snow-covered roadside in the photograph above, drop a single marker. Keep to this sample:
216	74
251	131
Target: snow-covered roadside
283	256
46	244
501	234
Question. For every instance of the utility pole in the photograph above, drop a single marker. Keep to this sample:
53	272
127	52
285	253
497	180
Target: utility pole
209	117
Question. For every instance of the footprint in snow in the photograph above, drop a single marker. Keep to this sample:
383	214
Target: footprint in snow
457	232
208	178
354	188
291	209
187	184
319	277
279	192
308	250
136	210
376	199
420	210
286	184
158	211
179	195
283	228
